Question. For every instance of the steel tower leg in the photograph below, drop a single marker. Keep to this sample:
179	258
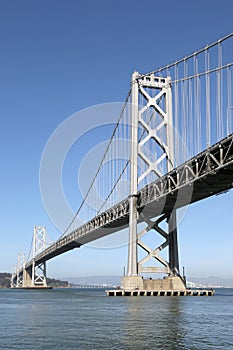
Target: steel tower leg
132	248
172	220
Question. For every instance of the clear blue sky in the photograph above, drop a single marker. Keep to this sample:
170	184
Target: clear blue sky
58	57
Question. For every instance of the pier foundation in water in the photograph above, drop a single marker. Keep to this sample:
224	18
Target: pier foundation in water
168	286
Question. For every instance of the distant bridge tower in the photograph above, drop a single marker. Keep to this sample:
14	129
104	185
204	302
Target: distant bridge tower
20	265
17	279
38	276
32	274
152	155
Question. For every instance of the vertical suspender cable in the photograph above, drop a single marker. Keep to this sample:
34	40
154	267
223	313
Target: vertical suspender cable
184	131
195	107
111	174
125	153
190	112
207	81
116	165
199	110
219	93
186	119
118	160
229	106
185	106
176	126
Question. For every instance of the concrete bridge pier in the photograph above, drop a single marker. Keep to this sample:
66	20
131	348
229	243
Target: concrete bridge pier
167	283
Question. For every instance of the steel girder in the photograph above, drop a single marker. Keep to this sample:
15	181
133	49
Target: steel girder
207	174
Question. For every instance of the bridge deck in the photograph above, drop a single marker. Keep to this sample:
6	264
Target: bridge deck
207	174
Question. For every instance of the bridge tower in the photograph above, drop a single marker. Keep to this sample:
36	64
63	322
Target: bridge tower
38	273
151	123
16	270
31	274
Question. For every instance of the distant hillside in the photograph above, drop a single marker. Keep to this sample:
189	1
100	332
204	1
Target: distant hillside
55	283
95	280
212	281
5	281
116	281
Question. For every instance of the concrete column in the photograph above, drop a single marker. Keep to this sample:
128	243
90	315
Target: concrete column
33	273
27	278
173	244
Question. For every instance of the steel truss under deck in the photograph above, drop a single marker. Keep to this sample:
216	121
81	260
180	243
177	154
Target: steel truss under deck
207	174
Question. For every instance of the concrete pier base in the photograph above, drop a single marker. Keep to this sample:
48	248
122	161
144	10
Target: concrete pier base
167	283
161	293
168	286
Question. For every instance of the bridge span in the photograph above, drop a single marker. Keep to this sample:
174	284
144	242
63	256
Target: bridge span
175	132
209	173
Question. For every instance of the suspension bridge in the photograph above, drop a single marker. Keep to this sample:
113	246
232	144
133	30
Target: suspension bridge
171	146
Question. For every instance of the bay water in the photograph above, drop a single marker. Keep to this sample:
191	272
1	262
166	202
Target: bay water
74	318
